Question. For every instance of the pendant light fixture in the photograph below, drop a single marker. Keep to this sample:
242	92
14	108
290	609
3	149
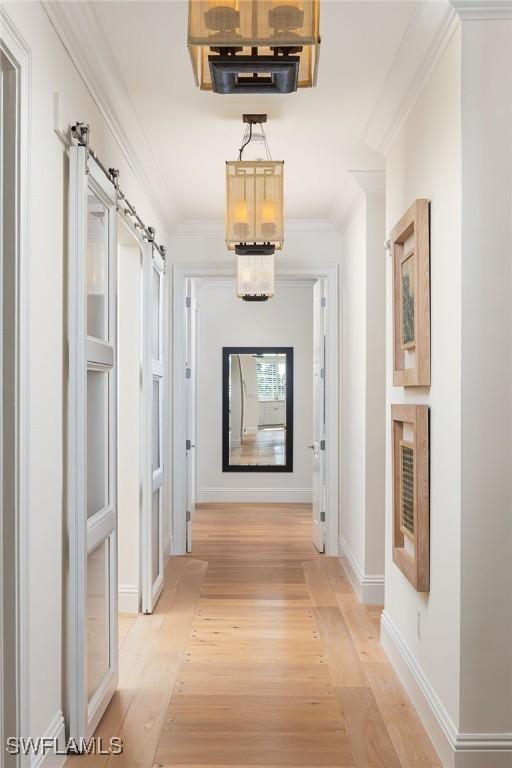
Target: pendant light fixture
254	213
254	46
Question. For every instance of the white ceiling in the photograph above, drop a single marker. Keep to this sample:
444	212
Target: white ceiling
317	132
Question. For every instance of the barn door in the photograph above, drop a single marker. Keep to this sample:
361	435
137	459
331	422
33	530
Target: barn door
153	393
319	426
92	658
190	390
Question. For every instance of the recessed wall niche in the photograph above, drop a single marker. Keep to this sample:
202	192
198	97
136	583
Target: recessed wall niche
410	248
411	516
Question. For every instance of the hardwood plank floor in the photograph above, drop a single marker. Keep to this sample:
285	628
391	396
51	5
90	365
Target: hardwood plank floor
259	654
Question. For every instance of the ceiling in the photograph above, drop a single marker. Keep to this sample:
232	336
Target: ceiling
318	132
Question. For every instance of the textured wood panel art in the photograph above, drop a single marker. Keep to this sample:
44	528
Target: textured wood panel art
411	516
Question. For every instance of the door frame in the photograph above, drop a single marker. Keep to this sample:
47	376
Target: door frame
177	444
19	55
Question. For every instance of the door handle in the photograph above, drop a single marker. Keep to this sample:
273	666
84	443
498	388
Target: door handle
311	446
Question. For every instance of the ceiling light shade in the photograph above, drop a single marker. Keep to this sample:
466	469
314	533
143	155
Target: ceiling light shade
254	214
255	277
254	46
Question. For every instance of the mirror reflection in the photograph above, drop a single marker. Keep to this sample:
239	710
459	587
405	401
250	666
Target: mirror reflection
257	392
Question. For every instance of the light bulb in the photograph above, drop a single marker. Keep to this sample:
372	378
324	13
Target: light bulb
268	212
241	212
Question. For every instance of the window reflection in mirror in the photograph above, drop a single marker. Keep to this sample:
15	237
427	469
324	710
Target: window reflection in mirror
257	397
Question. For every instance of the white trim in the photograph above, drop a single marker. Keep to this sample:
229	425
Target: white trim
456	749
230	282
55	731
217	228
356	186
13	42
257	495
178	433
425	40
483	10
128	598
368	587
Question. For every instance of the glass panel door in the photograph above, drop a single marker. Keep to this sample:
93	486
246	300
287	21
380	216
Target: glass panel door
92	670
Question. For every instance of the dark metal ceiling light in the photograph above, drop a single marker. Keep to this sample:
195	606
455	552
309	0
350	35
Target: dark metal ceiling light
254	46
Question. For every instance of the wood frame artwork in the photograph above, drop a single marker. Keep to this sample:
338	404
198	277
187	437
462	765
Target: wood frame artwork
411	514
410	247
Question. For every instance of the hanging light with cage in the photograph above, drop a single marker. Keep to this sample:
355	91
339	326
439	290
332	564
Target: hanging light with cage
254	213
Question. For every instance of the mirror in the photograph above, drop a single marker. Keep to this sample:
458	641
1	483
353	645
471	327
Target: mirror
257	394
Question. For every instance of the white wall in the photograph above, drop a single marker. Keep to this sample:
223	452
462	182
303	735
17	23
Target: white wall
454	645
129	444
201	243
51	72
363	393
424	161
486	379
226	321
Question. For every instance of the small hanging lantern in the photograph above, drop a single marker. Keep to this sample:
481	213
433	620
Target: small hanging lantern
255	277
254	214
254	46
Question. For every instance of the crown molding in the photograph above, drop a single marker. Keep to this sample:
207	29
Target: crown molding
370	181
357	185
481	10
81	35
430	30
216	228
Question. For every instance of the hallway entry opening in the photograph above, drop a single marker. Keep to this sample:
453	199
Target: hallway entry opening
256	398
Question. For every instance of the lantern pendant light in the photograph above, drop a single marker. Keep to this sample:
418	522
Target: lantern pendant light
254	46
254	214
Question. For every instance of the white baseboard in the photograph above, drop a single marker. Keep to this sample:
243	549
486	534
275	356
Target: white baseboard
55	731
455	749
128	600
256	495
368	588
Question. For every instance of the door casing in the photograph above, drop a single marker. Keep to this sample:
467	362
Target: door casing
15	569
178	437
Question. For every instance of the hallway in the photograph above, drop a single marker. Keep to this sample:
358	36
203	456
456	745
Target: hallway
258	654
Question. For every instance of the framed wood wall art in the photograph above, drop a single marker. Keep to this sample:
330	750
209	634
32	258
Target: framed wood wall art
410	248
411	514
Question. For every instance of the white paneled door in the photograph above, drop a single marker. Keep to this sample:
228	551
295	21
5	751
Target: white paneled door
190	395
92	659
153	397
319	421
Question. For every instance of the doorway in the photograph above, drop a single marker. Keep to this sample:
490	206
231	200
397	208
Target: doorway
292	278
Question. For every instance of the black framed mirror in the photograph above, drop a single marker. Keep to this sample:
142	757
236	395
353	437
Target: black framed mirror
257	409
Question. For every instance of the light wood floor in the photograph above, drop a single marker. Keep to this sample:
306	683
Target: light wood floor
258	654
